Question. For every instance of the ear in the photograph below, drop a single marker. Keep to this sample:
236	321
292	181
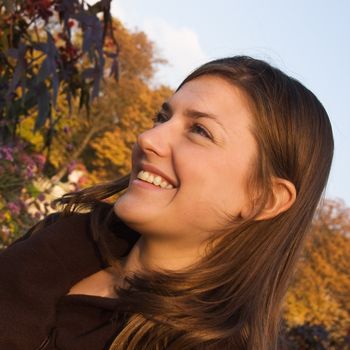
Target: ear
282	197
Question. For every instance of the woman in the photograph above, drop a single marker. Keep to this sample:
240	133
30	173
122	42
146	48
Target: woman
197	252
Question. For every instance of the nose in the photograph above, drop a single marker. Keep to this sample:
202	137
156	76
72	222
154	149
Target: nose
156	140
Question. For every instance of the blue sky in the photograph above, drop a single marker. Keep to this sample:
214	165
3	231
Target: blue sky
309	40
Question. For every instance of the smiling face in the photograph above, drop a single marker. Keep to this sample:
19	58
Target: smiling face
202	144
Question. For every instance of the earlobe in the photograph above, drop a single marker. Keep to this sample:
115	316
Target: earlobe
282	197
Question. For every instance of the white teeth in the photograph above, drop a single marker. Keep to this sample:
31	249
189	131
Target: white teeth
150	178
155	179
163	184
142	175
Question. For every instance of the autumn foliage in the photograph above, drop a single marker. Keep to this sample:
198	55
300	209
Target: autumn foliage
98	145
319	296
93	140
39	60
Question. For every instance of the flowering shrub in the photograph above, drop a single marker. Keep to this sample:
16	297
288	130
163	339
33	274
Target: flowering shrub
25	194
17	170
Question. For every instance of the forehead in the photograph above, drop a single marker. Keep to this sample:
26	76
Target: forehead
216	96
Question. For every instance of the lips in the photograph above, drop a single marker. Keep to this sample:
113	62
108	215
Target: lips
156	171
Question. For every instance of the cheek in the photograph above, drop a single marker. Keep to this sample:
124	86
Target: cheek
230	189
209	190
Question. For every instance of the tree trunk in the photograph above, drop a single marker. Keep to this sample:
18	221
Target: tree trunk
76	154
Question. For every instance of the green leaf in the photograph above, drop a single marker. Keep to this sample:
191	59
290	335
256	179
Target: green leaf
32	190
44	106
45	70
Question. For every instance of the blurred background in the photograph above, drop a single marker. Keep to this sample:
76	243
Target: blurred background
80	80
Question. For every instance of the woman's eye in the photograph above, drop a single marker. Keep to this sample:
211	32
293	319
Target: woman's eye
201	131
196	128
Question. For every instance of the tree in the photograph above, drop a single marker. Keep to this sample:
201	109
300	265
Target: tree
43	69
103	141
112	150
39	61
320	292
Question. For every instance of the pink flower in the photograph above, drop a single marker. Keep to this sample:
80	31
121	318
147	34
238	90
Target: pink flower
29	172
72	165
7	153
40	160
13	208
26	160
41	197
22	204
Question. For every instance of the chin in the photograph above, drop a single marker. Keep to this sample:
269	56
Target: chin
123	208
131	214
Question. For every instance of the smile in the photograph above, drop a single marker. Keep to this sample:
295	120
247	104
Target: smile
154	179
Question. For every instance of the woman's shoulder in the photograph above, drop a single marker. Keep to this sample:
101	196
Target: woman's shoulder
78	240
37	270
64	241
56	222
67	226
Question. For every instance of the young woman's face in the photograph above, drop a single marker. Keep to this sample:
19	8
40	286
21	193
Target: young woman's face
203	145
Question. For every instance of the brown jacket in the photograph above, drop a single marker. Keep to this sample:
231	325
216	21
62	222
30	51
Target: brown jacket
36	273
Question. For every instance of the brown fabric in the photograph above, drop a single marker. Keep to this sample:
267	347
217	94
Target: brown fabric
84	322
35	275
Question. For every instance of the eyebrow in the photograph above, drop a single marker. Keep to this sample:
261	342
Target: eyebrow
194	114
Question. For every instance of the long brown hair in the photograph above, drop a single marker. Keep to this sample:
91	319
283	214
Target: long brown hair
232	299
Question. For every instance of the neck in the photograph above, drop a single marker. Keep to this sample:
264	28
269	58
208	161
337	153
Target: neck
154	254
